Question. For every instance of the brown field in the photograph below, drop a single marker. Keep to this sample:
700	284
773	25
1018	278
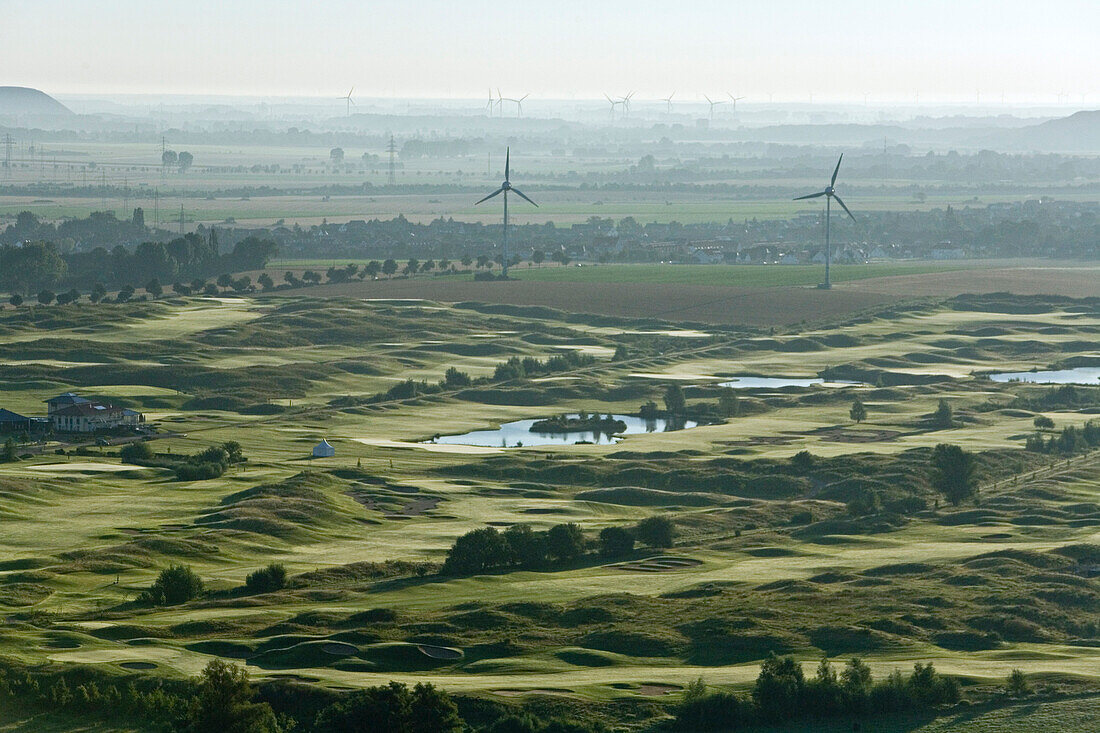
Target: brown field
731	305
1072	281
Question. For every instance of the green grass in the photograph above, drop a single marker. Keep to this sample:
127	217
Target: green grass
69	535
731	275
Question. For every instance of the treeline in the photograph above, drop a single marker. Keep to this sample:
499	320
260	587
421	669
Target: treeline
1069	441
208	463
40	265
453	378
222	698
782	694
522	548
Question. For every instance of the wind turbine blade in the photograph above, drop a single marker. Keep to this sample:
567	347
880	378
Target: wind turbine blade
525	96
507	162
708	99
809	196
837	169
494	193
843	206
523	196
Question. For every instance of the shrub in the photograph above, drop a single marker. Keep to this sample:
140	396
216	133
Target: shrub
655	532
175	584
944	416
1017	684
616	541
953	472
266	580
477	551
136	452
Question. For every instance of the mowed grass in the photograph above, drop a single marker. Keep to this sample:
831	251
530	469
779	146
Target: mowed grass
126	526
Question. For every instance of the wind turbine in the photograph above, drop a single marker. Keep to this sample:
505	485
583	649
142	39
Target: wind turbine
519	104
348	99
489	104
613	104
625	102
735	100
504	189
713	104
829	193
668	101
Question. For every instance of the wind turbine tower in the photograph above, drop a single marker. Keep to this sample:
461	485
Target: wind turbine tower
713	104
504	189
668	102
829	193
347	98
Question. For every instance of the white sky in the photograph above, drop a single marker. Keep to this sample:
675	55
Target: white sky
892	50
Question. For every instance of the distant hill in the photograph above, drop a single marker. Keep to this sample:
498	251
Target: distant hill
26	101
1080	132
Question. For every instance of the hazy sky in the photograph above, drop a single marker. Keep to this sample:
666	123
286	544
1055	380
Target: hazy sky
891	49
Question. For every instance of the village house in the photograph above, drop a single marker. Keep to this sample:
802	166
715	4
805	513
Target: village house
71	413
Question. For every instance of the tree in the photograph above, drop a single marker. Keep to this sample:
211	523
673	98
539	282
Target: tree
389	267
412	266
393	709
225	280
858	413
185	160
538	257
16	299
565	541
1042	422
454	378
125	293
9	450
181	289
616	541
336	155
528	547
675	403
372	268
153	287
655	532
855	679
477	551
944	416
45	297
224	703
265	280
953	472
176	584
728	403
99	292
779	688
169	158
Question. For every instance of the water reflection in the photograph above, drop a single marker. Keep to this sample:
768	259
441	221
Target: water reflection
518	433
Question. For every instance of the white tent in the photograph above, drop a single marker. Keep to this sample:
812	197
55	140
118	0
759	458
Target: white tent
323	450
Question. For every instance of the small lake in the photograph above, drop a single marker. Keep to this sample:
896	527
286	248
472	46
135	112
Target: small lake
1079	375
518	433
778	382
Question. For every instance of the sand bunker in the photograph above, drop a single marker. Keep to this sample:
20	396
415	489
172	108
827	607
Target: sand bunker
84	467
433	447
661	564
656	690
440	652
143	666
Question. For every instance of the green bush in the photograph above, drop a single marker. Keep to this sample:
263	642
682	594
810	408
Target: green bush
175	584
136	452
266	580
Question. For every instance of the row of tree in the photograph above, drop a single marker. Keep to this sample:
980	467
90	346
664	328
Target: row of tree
523	548
35	266
782	693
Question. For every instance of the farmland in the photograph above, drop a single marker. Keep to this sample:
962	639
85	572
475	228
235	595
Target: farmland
762	541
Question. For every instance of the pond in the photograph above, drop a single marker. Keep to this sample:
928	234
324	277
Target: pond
1079	375
518	433
778	382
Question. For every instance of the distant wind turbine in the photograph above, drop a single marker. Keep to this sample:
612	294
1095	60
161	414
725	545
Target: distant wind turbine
613	104
713	104
489	104
625	102
829	193
668	101
504	189
735	100
348	99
